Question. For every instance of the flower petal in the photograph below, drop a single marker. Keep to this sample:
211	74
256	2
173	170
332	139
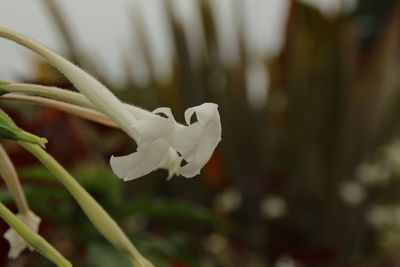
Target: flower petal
197	142
17	243
166	111
141	162
200	155
151	128
153	144
186	140
205	112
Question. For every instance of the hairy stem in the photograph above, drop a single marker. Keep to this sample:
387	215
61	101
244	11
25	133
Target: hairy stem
66	96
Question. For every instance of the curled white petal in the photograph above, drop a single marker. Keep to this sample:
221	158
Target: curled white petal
17	243
205	113
197	141
153	146
141	162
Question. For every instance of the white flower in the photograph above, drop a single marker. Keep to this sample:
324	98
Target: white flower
17	243
228	201
161	138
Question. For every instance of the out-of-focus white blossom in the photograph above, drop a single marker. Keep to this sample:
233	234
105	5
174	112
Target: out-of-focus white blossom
380	216
392	155
273	207
372	173
352	192
228	201
377	216
285	261
216	243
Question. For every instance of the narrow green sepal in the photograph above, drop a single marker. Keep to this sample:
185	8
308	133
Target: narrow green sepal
9	130
6	120
31	138
6	133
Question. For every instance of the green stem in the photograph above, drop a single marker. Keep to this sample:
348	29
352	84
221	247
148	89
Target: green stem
71	97
48	91
67	96
10	177
97	215
86	113
33	239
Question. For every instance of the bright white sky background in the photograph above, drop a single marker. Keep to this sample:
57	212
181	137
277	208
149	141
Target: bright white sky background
103	28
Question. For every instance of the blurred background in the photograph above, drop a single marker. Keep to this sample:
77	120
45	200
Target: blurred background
307	173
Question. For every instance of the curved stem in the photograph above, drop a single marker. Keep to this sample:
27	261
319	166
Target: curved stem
97	215
10	176
85	113
67	96
35	240
48	91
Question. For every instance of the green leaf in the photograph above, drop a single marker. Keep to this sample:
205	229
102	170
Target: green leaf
3	91
3	82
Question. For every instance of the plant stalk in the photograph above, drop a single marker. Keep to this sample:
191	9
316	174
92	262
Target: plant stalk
97	215
83	112
33	239
10	177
